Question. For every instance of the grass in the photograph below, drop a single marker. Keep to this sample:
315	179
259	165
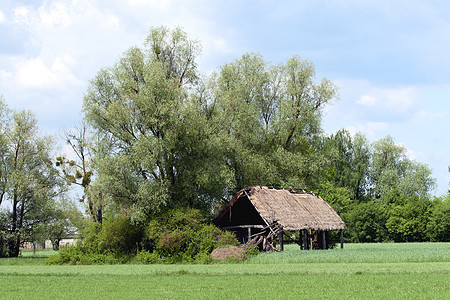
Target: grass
373	271
28	257
362	253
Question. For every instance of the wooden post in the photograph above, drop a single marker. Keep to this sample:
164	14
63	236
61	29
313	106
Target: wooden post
311	239
249	233
342	239
305	239
300	239
324	240
280	239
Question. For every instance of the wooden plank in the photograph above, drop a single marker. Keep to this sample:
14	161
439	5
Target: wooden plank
244	226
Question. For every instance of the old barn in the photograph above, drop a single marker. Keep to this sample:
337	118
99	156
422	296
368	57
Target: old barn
265	216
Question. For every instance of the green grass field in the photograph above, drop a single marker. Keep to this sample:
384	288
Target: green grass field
359	271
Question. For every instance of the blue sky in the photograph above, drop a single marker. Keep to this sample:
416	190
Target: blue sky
390	59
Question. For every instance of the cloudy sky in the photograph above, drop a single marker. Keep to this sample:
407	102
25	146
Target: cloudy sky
390	59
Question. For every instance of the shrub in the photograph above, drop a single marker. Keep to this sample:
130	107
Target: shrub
182	235
147	257
119	236
113	242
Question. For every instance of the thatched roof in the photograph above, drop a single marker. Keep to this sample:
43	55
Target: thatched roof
291	209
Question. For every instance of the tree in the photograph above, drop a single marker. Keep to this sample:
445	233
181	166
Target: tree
174	139
350	161
29	181
272	116
79	171
438	226
392	171
158	149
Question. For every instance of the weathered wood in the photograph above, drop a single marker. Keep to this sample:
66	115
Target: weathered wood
245	226
305	239
324	240
280	239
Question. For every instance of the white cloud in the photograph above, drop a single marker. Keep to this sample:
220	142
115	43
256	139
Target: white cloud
22	15
35	73
399	100
373	129
367	100
413	155
425	116
2	16
6	74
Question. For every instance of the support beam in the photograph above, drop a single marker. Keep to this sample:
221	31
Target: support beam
249	233
305	239
244	226
280	239
342	239
300	239
324	240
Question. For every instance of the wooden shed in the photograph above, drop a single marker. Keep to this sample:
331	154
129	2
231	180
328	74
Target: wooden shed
264	215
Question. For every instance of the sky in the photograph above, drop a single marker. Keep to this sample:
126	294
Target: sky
390	59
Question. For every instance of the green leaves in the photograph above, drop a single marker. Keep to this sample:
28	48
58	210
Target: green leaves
28	181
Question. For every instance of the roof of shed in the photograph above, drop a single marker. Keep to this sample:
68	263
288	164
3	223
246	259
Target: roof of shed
292	209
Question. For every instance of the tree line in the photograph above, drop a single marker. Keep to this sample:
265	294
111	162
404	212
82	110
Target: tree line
158	135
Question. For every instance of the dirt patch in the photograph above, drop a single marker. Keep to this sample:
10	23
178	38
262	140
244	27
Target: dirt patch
228	253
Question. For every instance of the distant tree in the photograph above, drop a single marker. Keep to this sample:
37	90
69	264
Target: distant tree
29	182
392	171
65	221
349	162
438	226
79	171
407	220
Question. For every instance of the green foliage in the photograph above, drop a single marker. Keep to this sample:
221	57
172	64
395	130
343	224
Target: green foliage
182	235
119	235
174	236
250	252
147	257
115	241
407	222
28	181
176	141
391	171
438	226
366	223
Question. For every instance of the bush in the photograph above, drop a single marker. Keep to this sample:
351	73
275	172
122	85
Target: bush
147	257
174	236
182	235
119	236
113	242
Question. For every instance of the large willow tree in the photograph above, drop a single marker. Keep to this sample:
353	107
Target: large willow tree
174	139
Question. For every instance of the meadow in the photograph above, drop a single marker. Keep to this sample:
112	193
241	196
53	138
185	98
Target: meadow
371	271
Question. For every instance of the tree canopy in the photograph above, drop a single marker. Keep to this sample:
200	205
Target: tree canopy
175	139
28	181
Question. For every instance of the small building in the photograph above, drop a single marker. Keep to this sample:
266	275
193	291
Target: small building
264	215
